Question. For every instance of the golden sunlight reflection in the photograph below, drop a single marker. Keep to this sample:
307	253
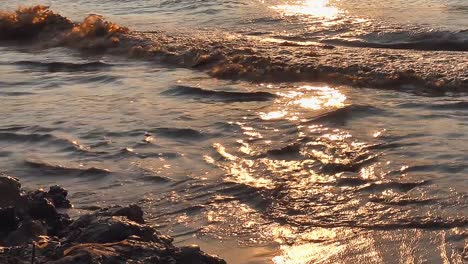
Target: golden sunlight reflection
273	115
324	97
306	97
379	133
239	170
307	252
317	8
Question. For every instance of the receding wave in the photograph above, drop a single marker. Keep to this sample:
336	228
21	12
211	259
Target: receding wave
241	57
229	96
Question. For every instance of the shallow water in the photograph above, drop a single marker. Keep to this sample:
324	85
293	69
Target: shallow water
256	169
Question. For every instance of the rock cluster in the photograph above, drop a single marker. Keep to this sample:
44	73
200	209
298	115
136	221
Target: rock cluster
33	231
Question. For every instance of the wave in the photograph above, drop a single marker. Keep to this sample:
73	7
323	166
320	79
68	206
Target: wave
126	152
186	133
229	96
429	41
341	115
15	93
403	201
288	150
35	137
53	169
65	66
449	106
231	56
400	186
5	153
41	24
45	139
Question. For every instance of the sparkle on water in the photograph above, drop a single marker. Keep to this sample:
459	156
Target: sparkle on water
317	8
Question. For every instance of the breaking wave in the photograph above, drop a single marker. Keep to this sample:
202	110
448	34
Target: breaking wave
231	56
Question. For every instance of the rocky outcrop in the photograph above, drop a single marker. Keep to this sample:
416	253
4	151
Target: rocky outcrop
33	231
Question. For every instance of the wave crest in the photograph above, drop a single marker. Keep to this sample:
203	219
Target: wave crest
51	29
231	56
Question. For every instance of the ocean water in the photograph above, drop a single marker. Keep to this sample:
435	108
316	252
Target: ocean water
278	132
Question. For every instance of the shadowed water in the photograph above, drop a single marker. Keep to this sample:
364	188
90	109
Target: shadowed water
271	167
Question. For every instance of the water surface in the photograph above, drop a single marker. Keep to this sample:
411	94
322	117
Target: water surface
258	170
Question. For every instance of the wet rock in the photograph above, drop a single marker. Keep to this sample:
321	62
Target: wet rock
58	195
132	212
111	235
41	208
28	231
193	254
101	229
9	221
101	237
10	192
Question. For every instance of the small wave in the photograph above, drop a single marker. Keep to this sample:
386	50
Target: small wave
15	137
430	41
5	153
399	186
13	128
351	181
402	201
449	106
38	138
423	223
227	96
15	93
186	133
382	146
341	115
59	169
155	178
350	166
429	45
446	168
125	152
292	149
65	66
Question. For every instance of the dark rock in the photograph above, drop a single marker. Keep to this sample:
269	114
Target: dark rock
112	235
58	195
107	229
27	232
41	208
10	192
193	254
132	212
9	221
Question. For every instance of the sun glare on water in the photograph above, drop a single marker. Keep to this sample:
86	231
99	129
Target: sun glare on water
317	8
